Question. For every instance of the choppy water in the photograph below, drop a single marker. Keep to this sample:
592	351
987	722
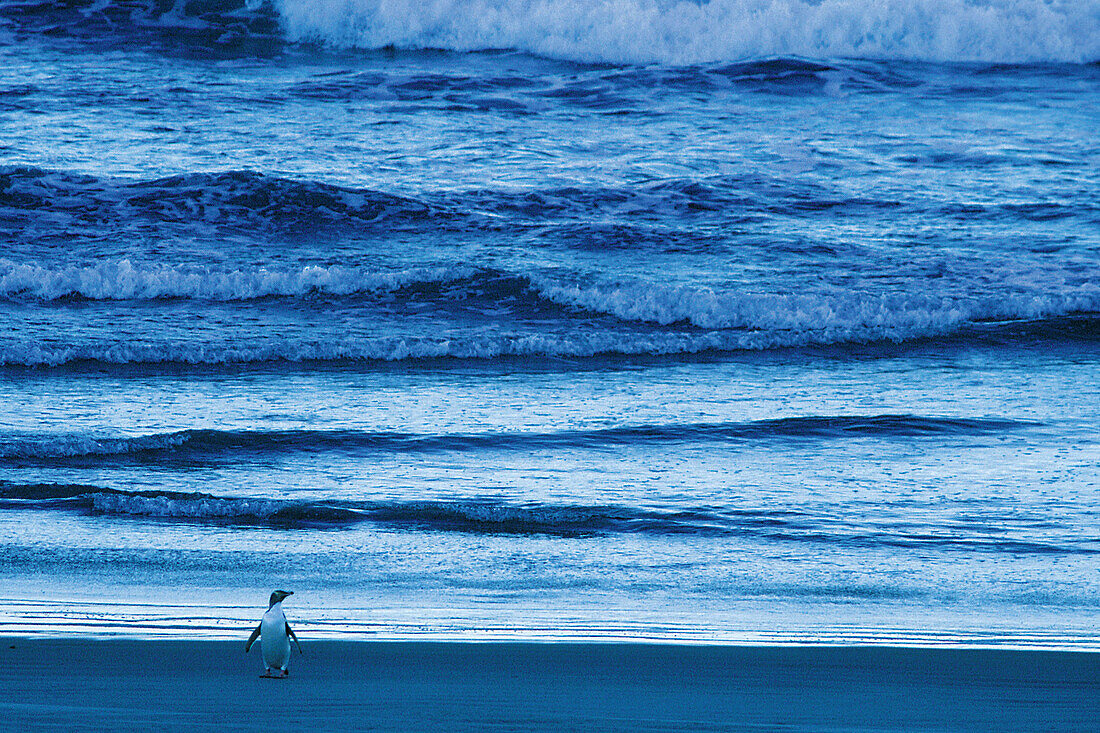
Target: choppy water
732	320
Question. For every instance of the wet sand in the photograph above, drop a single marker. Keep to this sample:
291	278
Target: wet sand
138	685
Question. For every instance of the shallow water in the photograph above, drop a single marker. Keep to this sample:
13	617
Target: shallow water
593	337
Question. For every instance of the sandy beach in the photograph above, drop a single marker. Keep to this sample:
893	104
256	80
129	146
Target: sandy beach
138	685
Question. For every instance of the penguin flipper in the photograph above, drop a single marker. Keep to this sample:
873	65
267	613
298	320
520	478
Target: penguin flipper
292	635
252	639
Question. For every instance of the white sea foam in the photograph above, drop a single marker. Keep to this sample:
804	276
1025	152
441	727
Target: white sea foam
197	507
125	280
847	315
684	31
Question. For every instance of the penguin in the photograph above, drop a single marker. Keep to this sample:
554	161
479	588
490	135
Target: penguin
275	635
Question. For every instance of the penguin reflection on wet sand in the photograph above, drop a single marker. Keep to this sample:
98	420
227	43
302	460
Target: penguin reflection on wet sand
275	635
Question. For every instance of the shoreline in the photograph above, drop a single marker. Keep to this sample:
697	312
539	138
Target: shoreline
77	634
132	684
167	619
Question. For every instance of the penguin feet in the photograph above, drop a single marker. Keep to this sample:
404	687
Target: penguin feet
275	674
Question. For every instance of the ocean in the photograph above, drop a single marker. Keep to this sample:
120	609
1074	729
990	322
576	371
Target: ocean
741	321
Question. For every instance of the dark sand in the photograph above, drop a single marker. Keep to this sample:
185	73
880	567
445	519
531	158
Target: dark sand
133	685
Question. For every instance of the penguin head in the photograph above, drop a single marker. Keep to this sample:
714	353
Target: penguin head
278	596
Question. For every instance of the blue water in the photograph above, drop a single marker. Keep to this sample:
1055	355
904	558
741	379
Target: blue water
734	320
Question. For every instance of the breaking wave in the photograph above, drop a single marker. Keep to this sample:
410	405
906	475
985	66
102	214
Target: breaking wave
846	315
625	31
687	32
125	280
486	314
1073	328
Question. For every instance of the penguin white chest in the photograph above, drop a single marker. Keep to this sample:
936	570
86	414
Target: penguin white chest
274	642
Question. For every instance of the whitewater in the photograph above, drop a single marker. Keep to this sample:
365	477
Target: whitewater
679	32
742	321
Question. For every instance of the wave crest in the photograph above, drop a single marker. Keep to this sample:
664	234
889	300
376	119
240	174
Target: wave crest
223	28
496	517
205	444
231	199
